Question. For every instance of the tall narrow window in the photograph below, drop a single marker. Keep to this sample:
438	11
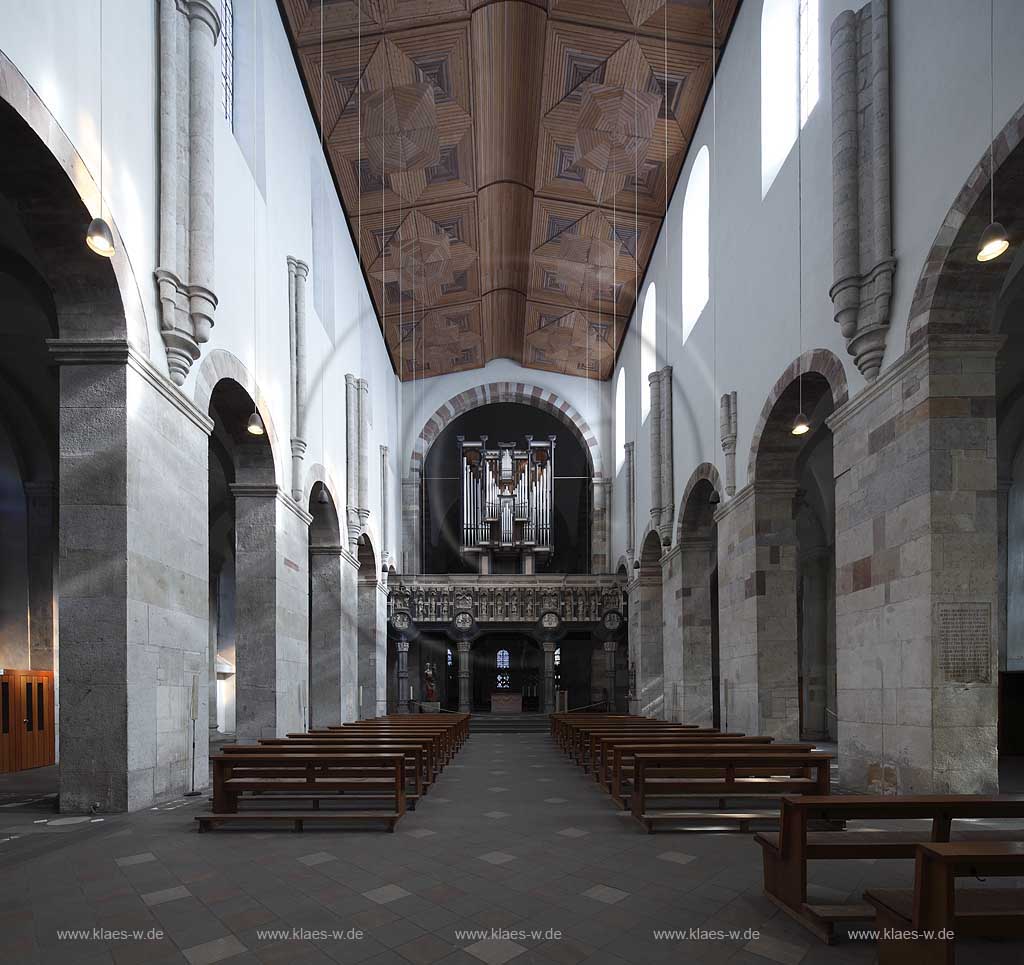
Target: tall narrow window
789	66
620	419
5	708
28	706
39	707
227	60
502	660
696	240
648	346
808	58
450	660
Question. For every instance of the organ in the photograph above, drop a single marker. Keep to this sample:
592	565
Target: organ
507	503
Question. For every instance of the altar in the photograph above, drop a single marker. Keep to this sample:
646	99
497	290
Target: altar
503	702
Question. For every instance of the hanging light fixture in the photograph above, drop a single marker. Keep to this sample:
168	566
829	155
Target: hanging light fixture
255	425
322	498
801	425
714	499
993	241
99	237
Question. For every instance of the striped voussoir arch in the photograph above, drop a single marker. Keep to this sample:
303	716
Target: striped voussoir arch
508	392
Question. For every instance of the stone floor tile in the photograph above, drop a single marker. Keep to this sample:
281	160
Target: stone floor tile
214	951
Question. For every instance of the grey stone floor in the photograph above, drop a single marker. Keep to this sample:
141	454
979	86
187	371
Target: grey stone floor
513	842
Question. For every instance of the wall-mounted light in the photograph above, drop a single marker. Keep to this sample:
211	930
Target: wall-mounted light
255	425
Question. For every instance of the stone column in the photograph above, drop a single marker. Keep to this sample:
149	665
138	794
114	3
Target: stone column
630	472
697	560
411	522
352	460
385	504
916	573
363	453
255	611
204	28
42	559
213	627
369	632
654	439
737	608
814	640
666	470
610	647
465	677
549	676
728	426
349	636
674	640
1004	486
298	271
646	646
600	529
326	636
402	650
133	580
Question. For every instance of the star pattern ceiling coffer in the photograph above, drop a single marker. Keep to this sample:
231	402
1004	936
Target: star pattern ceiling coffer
505	167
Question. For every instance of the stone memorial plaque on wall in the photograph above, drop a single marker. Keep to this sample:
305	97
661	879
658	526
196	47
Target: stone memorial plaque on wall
965	642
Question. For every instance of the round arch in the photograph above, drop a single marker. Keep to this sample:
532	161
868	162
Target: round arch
955	293
36	148
819	361
507	392
318	473
221	364
706	472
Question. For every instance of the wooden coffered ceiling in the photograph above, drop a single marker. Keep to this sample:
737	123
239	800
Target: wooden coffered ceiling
504	166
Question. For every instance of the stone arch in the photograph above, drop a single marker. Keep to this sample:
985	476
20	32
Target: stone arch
221	364
955	294
316	474
706	472
819	361
508	392
83	284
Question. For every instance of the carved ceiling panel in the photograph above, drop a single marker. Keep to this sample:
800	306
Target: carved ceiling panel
504	167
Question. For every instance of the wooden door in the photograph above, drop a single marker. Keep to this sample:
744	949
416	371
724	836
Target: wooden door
26	719
7	729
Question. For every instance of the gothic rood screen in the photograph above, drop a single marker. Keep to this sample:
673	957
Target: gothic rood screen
507	499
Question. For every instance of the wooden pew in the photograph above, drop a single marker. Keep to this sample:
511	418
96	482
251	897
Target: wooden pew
234	774
579	746
447	737
591	759
415	755
786	853
443	739
623	757
431	759
561	723
605	744
937	912
721	774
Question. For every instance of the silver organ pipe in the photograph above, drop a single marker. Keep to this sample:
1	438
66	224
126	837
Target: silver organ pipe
508	498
